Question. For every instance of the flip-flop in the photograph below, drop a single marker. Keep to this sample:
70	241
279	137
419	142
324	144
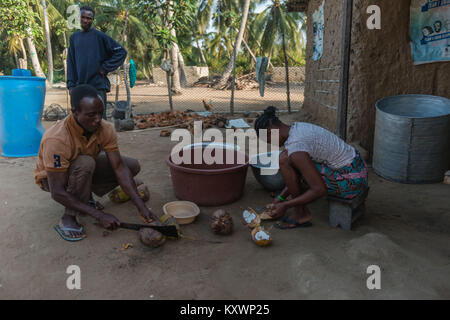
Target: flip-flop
294	223
66	237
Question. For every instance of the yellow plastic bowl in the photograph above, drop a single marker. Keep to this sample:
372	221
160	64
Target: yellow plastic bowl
183	211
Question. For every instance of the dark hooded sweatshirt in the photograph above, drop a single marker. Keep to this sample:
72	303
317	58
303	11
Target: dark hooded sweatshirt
88	51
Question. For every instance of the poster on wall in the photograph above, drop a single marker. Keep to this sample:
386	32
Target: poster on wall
318	26
430	30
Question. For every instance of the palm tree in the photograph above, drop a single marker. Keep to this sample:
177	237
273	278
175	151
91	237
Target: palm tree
49	43
226	74
269	26
275	21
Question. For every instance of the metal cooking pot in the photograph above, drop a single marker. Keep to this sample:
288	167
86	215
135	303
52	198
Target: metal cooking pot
268	175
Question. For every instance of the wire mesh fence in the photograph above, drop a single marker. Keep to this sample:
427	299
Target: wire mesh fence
197	92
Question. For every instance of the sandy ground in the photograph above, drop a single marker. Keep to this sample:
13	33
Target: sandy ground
149	98
405	232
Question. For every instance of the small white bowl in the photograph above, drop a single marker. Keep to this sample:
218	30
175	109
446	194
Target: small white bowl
183	211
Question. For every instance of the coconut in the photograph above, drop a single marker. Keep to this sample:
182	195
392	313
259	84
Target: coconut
261	237
221	222
144	193
151	237
251	218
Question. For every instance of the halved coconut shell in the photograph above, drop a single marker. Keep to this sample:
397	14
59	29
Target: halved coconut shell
251	218
261	237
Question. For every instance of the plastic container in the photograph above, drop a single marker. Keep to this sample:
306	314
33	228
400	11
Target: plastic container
21	105
183	211
209	184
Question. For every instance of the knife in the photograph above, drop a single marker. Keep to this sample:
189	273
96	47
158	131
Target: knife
170	231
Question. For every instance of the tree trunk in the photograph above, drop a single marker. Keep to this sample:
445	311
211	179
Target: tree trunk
183	79
16	59
249	50
127	87
201	53
34	58
286	66
49	44
24	61
226	74
169	85
176	86
64	56
124	33
64	60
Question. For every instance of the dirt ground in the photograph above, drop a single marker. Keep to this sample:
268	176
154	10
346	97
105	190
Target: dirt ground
405	232
147	98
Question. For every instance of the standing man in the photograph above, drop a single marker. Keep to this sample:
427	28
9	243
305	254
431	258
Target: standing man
92	55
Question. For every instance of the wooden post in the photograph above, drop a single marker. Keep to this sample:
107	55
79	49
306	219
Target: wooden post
341	127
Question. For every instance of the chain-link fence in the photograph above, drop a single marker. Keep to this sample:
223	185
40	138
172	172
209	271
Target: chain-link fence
198	92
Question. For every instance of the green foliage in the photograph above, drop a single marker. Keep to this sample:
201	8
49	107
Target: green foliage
17	18
213	23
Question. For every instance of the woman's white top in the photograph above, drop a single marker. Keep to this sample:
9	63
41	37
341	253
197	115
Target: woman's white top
322	145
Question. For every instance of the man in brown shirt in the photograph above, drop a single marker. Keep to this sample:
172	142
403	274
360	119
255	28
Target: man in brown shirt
71	164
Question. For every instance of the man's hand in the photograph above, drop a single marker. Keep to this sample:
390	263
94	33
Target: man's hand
150	217
109	221
100	70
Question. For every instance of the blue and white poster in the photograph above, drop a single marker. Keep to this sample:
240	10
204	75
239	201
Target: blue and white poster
318	27
430	30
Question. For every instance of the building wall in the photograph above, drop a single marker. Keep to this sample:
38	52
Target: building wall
193	74
322	76
381	65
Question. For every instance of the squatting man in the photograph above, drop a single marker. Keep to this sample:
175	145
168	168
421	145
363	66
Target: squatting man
80	155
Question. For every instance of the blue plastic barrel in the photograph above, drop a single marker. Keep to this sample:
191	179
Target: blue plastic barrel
21	106
21	72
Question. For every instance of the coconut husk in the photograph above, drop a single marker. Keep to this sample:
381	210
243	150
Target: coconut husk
144	193
221	222
142	124
165	133
151	237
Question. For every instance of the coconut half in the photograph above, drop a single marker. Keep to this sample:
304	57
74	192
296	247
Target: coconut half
251	218
261	237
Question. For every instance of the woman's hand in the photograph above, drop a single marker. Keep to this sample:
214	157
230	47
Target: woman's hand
278	210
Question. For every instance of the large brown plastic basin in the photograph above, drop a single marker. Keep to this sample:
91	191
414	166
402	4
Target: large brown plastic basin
209	185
